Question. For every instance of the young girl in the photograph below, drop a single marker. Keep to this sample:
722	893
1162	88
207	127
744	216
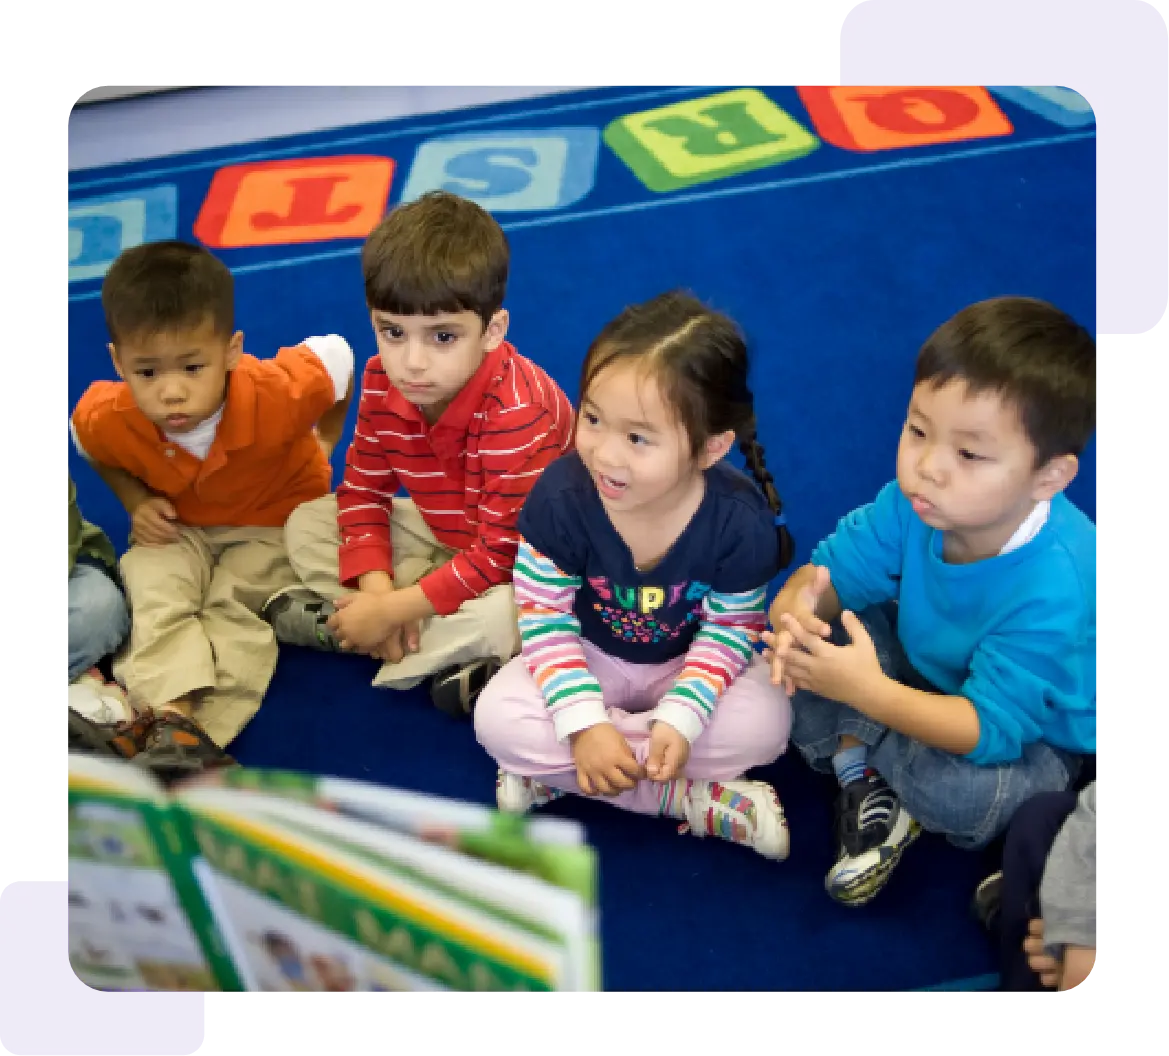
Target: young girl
642	567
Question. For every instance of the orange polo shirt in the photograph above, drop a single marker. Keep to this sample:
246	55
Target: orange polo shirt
263	463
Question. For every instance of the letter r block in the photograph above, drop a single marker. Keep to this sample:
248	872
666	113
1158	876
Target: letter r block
709	138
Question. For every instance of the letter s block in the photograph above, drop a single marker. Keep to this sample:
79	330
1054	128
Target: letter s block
546	168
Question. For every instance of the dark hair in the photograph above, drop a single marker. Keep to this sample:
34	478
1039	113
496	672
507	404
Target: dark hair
699	358
161	286
439	253
1034	356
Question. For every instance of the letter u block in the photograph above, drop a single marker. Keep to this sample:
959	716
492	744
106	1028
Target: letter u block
100	228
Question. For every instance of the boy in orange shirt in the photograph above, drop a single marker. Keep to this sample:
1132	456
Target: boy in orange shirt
209	450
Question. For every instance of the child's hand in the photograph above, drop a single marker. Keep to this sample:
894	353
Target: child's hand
401	642
153	522
668	753
803	607
327	444
1042	963
604	761
847	673
363	622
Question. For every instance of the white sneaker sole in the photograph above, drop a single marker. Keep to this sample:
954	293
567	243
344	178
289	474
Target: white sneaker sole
855	881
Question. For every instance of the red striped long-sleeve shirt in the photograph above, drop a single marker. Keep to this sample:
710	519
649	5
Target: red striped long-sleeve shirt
468	474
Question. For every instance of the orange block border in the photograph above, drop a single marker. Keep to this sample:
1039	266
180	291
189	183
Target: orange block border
237	195
843	116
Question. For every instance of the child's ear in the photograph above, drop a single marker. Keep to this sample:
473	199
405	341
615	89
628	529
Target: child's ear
1054	475
716	448
496	330
235	349
114	357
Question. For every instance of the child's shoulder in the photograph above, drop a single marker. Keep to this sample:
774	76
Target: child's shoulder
1073	534
102	403
735	493
520	383
563	475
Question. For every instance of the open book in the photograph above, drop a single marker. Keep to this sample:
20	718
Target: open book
268	880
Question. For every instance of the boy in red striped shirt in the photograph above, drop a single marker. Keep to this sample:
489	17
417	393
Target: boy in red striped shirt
451	413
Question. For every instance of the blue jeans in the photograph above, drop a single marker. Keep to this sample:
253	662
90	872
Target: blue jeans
948	794
98	618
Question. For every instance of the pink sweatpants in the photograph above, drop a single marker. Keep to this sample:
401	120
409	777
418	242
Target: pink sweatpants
749	727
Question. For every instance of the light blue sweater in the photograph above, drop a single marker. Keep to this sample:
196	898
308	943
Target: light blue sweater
1015	634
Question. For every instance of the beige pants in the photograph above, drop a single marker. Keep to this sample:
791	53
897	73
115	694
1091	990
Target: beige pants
483	626
195	632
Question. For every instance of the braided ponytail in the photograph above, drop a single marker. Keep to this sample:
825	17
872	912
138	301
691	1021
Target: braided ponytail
753	455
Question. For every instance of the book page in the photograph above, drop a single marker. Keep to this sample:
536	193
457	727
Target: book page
381	891
127	928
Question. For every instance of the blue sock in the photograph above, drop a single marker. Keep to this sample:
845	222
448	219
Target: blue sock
850	763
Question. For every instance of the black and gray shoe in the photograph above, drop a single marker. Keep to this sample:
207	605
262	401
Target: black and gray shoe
456	689
872	829
298	616
988	900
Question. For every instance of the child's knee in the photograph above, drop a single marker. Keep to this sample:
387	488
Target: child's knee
497	707
99	607
512	722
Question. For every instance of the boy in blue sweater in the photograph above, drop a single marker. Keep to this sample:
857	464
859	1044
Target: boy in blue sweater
941	643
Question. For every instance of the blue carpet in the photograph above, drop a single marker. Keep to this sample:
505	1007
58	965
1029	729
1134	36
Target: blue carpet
838	264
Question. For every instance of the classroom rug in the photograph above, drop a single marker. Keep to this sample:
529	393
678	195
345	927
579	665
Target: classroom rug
839	226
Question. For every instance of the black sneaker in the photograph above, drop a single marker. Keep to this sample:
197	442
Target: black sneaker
456	689
988	899
297	616
872	829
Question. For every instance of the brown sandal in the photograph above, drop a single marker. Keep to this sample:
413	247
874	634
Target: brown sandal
176	747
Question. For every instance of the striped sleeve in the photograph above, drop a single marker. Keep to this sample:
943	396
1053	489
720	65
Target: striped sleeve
513	451
550	643
366	493
719	654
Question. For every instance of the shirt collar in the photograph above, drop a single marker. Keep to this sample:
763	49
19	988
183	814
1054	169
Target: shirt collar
457	417
236	430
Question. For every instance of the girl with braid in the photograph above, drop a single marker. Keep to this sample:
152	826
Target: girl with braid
643	563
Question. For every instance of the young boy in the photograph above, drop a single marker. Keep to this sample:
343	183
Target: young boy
977	689
453	414
209	450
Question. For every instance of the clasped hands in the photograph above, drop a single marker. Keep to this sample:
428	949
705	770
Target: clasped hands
373	621
606	766
802	657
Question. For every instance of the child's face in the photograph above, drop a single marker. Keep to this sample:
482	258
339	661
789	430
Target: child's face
178	379
429	358
968	467
638	455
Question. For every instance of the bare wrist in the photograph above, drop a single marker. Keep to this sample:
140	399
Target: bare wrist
375	583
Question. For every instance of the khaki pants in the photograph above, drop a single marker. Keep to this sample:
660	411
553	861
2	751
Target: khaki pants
483	626
195	632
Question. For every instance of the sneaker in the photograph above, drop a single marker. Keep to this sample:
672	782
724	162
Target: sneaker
872	829
456	689
740	811
298	616
518	795
102	702
988	897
